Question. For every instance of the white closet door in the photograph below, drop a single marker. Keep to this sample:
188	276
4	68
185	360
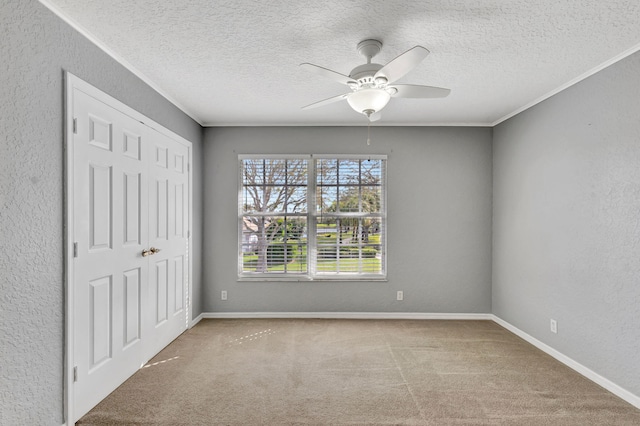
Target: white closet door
111	275
130	194
168	225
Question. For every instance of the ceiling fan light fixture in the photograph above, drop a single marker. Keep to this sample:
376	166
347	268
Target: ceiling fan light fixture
372	100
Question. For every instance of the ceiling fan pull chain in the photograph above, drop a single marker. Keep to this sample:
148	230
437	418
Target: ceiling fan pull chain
369	134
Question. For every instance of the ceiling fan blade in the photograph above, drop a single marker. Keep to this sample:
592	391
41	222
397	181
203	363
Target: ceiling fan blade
325	72
416	91
402	64
326	101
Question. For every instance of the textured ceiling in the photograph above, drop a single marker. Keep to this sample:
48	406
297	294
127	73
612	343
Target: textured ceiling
236	62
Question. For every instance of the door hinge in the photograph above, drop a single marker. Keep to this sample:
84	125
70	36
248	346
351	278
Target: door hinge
75	249
75	374
75	125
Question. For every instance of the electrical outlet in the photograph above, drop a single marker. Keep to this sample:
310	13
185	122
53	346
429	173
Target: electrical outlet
223	295
400	295
553	325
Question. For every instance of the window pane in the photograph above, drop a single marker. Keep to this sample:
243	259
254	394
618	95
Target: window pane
249	235
296	172
349	171
349	199
326	172
272	185
274	244
326	240
252	197
326	198
371	265
275	172
252	171
296	199
371	199
371	171
274	198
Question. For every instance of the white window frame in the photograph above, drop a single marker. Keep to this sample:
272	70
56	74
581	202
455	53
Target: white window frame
311	217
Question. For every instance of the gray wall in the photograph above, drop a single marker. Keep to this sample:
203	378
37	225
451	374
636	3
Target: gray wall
567	222
439	220
35	48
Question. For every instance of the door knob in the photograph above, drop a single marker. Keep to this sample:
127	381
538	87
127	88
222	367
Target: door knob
150	252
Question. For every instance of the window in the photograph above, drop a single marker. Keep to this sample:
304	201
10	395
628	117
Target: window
312	217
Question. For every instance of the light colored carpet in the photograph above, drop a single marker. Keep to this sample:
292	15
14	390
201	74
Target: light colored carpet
357	372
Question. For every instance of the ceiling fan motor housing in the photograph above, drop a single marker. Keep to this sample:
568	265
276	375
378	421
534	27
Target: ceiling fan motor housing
363	74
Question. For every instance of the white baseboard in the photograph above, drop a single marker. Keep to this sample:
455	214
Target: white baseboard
196	320
346	315
586	372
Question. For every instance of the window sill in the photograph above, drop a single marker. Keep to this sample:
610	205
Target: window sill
309	279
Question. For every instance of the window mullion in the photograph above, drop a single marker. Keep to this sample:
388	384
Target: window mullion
360	221
360	185
338	241
360	244
311	218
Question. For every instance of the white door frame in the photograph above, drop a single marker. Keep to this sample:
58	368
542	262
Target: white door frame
72	83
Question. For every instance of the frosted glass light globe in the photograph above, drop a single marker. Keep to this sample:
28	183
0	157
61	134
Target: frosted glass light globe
368	100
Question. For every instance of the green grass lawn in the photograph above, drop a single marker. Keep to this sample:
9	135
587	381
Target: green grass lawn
299	261
372	265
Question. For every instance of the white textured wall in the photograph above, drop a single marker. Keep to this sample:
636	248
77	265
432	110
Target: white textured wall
439	220
35	48
567	222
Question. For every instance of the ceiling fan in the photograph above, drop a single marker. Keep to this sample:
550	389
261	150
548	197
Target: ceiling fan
372	84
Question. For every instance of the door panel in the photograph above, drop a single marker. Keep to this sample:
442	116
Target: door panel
161	289
161	212
178	163
100	132
100	321
178	268
131	302
131	212
162	156
178	216
100	184
132	145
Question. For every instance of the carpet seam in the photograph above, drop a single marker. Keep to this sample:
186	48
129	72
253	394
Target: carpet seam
406	383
